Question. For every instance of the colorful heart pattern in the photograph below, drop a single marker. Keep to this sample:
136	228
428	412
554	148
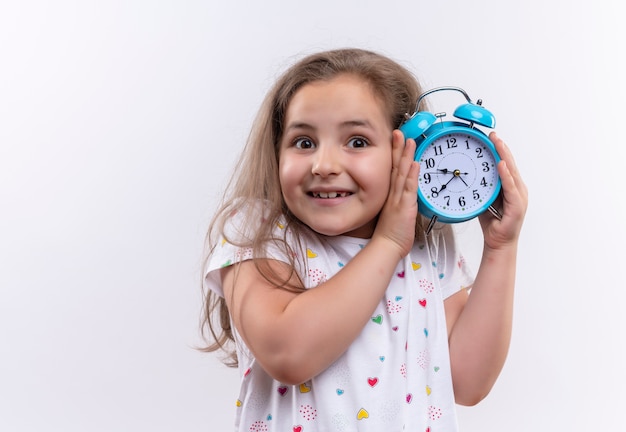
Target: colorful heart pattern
317	276
393	307
308	412
259	426
396	306
362	414
427	286
434	412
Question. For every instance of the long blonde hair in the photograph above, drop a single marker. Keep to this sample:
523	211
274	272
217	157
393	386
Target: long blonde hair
256	175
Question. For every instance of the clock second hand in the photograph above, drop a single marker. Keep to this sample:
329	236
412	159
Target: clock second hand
456	172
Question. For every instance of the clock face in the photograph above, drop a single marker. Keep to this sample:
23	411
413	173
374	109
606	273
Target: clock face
458	175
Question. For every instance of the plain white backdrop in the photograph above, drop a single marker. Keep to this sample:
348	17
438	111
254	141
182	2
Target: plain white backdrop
120	122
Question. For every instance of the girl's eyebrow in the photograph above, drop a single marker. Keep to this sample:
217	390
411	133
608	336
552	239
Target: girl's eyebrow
345	124
357	122
298	125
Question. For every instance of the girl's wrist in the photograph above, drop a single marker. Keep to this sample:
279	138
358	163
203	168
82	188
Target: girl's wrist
506	251
388	247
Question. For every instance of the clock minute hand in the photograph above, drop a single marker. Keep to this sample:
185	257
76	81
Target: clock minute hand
458	173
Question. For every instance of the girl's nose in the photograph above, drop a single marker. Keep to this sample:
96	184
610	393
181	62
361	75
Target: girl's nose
326	161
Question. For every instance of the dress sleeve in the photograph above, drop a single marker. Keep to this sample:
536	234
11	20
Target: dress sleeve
452	269
238	228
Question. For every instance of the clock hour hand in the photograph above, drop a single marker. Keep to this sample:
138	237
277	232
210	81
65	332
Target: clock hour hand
445	171
445	185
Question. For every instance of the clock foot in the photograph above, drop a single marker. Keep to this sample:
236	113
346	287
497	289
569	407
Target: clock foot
431	224
494	211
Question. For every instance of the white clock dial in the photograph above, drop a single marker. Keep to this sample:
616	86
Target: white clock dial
458	174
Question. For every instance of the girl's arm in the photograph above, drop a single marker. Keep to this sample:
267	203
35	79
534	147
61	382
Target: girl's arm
295	336
479	325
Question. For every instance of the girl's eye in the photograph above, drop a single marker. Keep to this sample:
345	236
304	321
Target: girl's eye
357	142
303	143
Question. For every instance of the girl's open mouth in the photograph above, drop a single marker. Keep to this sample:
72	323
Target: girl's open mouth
327	195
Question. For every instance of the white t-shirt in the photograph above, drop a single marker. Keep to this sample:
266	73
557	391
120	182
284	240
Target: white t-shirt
395	376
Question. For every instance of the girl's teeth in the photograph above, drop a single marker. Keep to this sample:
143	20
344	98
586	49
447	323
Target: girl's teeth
330	194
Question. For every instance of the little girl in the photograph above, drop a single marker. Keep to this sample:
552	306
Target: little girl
343	314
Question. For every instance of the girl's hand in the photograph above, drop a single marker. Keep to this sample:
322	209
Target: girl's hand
397	218
512	203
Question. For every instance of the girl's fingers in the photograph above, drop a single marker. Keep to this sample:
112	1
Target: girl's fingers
412	169
407	158
506	155
397	148
515	194
404	174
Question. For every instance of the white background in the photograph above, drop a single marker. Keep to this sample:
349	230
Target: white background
120	121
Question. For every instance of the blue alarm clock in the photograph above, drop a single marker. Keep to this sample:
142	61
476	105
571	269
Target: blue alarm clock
458	162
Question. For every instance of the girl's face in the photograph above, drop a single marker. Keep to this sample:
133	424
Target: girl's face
335	156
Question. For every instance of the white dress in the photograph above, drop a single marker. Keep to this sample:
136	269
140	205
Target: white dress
395	376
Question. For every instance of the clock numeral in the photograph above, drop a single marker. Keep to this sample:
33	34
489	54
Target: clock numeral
430	163
451	143
485	166
480	152
427	178
434	192
475	194
462	201
438	151
447	198
467	146
483	182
